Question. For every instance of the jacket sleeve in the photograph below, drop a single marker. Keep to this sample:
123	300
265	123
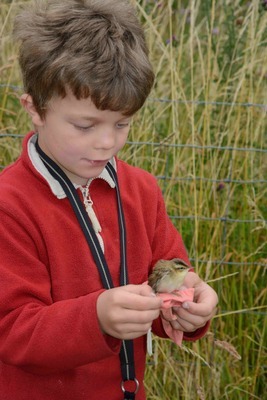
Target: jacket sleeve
168	244
36	333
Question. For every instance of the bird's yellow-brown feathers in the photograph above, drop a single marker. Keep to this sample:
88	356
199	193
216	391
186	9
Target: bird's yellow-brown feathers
168	275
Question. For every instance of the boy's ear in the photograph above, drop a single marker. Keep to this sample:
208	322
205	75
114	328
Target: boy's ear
27	103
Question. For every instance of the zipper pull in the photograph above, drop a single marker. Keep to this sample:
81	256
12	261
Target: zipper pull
90	211
88	203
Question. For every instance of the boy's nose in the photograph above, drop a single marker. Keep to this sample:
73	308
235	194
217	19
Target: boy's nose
106	140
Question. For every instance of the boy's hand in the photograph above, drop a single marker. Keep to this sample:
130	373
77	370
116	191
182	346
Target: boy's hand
127	312
194	315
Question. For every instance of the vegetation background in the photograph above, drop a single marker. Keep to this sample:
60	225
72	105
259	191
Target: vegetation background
203	134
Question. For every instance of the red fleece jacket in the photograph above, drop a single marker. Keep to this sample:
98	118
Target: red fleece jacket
51	346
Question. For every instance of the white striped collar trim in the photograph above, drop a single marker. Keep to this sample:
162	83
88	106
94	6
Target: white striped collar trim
52	182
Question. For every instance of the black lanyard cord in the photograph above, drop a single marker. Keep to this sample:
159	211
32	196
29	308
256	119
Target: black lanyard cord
127	352
123	273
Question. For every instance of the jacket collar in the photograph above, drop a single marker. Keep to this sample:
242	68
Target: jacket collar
52	182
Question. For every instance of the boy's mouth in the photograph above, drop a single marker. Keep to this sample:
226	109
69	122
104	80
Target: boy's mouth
97	162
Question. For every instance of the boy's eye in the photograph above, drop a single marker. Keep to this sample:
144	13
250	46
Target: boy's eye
123	125
83	128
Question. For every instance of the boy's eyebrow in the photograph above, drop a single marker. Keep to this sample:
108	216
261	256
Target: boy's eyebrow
92	118
86	117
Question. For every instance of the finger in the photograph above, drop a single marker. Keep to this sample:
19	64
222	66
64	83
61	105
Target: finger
206	294
185	326
180	324
134	316
184	317
145	290
129	335
136	300
196	322
202	309
130	331
142	290
190	322
191	280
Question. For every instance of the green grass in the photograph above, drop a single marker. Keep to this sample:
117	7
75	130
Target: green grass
209	56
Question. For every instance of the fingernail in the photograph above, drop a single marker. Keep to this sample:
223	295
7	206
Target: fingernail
185	305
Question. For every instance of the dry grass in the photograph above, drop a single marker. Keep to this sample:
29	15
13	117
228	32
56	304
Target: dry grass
206	141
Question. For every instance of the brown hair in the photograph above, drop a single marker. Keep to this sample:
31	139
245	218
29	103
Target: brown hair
94	48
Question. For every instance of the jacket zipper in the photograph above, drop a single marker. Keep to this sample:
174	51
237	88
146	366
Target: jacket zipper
88	203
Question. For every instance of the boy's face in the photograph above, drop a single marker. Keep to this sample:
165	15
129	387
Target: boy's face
77	136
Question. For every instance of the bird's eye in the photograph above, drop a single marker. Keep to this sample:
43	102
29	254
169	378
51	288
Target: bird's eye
178	261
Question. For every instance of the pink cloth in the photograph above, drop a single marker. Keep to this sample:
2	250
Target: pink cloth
174	299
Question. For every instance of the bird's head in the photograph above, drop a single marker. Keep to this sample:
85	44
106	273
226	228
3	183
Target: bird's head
168	275
178	265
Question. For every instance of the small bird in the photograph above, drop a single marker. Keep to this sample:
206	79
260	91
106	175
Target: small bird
168	275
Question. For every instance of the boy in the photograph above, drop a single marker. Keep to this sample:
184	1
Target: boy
63	335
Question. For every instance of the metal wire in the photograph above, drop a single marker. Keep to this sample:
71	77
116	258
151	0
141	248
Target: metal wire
225	219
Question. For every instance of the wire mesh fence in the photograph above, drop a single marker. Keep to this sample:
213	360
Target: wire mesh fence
222	183
206	143
191	219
